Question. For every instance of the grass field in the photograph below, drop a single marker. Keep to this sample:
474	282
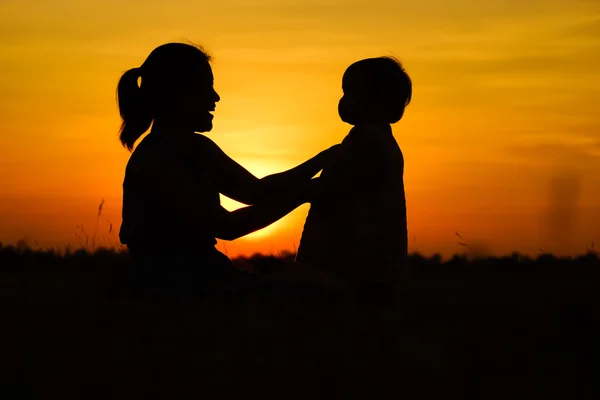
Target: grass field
494	328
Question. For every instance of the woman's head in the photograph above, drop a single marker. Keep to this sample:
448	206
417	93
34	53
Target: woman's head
376	90
174	85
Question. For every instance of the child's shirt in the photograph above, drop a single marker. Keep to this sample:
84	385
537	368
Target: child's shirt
356	228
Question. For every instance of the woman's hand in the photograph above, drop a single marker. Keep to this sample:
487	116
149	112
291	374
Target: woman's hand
314	190
328	156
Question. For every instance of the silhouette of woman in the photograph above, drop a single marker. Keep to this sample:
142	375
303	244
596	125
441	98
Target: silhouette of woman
171	207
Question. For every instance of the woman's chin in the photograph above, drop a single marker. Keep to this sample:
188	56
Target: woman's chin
204	126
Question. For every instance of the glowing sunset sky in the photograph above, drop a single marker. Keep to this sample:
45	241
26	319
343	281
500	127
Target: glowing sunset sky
501	141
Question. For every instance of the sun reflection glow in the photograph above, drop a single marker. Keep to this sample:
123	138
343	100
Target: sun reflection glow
260	168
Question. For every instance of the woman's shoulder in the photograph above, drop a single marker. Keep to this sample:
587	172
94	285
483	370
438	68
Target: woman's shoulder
202	146
194	146
202	140
163	153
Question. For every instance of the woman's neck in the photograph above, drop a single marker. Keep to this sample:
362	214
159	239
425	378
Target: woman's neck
167	127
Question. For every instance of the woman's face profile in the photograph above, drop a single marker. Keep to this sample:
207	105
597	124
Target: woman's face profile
199	100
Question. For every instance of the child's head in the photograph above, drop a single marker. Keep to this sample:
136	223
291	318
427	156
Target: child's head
376	90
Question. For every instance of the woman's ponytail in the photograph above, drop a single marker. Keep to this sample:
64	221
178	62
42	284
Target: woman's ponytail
133	107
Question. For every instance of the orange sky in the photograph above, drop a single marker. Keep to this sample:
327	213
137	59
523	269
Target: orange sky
501	141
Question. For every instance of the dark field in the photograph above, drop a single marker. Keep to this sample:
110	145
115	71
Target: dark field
493	328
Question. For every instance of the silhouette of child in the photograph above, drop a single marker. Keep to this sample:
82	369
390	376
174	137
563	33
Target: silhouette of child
356	227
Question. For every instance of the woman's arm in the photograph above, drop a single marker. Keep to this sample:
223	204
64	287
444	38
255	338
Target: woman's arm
238	223
171	193
284	181
236	182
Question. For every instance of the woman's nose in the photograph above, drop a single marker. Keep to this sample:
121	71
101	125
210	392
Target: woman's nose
217	97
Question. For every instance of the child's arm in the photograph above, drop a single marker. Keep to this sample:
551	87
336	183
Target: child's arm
234	181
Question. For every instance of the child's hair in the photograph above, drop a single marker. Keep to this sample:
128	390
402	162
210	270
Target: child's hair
167	70
375	90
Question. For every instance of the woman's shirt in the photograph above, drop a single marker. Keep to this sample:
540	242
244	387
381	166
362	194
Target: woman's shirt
357	228
152	219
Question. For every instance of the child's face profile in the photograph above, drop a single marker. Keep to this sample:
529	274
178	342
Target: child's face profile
352	106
